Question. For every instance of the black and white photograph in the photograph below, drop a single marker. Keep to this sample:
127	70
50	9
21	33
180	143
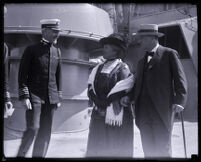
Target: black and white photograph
100	81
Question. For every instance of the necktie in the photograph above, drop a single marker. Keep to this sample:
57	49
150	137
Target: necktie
150	54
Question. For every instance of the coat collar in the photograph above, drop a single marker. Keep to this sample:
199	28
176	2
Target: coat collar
155	48
140	68
155	58
45	42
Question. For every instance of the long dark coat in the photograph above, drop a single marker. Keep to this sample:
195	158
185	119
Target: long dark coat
105	140
166	83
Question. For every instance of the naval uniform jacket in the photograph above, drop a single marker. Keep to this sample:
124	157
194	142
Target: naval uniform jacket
166	83
40	73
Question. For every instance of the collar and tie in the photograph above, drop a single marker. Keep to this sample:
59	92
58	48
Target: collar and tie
45	42
151	54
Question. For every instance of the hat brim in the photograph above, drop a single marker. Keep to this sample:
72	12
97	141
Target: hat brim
150	33
114	41
57	29
53	28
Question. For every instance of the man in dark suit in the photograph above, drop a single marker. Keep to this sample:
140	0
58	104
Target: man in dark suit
40	88
160	92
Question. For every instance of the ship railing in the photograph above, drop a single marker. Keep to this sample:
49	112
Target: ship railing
64	32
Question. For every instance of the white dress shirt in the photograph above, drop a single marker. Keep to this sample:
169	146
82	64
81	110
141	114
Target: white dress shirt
153	50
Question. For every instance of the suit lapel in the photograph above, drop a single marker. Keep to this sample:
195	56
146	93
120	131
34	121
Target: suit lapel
155	58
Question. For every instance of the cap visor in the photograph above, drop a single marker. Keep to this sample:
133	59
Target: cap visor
56	29
154	34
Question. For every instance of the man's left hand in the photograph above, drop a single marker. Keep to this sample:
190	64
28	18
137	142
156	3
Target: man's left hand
177	108
8	109
58	104
8	105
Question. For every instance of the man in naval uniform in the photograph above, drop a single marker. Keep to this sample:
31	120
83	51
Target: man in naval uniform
160	92
40	88
8	106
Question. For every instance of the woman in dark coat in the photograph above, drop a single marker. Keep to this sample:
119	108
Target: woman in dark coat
109	84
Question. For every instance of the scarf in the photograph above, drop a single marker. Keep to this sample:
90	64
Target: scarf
122	85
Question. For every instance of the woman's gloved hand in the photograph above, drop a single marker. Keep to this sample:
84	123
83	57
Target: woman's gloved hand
125	101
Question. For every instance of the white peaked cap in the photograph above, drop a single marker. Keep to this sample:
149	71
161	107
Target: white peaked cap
50	23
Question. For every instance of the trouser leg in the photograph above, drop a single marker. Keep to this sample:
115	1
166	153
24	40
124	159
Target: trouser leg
162	139
156	138
147	139
32	126
26	142
44	133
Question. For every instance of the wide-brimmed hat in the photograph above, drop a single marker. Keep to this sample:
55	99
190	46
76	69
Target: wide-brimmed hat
50	23
115	39
149	29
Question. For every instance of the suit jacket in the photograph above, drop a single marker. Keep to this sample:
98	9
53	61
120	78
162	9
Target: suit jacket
166	83
40	74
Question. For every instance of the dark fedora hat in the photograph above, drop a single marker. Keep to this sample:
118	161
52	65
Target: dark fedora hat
149	29
115	39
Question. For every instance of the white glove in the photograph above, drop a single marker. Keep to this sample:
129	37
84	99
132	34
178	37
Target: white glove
27	103
125	101
8	109
58	104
